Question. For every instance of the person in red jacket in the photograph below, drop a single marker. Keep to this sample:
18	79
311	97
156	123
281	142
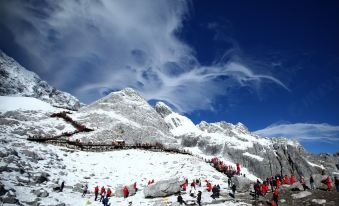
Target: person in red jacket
135	186
125	192
109	192
275	196
285	179
238	169
149	182
292	180
328	183
209	187
184	186
96	192
102	193
278	182
263	189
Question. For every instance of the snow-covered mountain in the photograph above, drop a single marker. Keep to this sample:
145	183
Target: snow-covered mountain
15	80
123	115
262	156
29	171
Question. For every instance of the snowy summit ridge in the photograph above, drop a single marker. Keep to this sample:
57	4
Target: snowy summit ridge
15	80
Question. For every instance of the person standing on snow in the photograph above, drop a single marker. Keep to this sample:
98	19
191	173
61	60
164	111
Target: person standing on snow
105	201
135	186
336	183
180	200
328	183
62	186
102	193
85	190
199	198
275	196
238	168
292	179
96	193
125	192
312	182
234	187
109	192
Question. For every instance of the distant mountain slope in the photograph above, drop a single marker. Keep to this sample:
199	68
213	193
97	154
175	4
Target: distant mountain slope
15	80
234	143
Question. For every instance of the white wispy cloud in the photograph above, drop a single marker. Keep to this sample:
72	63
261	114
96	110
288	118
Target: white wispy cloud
94	46
303	132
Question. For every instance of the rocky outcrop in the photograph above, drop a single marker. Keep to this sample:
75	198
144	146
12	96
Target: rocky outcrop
163	188
15	80
242	184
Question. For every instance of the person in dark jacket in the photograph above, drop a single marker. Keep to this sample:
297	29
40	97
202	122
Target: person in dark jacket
234	187
199	198
105	201
312	182
62	186
336	183
181	200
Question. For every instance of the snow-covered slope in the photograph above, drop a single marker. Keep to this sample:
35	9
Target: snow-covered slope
234	143
123	115
24	103
15	80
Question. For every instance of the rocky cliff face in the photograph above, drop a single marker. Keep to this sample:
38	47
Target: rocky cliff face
234	143
15	80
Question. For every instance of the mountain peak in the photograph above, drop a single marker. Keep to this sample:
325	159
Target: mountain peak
18	81
163	109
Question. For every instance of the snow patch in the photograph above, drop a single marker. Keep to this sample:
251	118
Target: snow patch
8	103
253	156
301	195
319	201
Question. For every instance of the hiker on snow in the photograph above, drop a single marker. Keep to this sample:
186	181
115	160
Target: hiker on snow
96	192
275	196
85	190
312	182
328	183
234	187
181	200
256	189
109	192
238	168
135	186
285	179
105	201
125	192
102	193
184	186
336	183
192	192
199	198
292	180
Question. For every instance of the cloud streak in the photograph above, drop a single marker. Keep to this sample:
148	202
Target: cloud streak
303	132
93	47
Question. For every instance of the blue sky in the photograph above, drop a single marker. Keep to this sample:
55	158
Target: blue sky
272	65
